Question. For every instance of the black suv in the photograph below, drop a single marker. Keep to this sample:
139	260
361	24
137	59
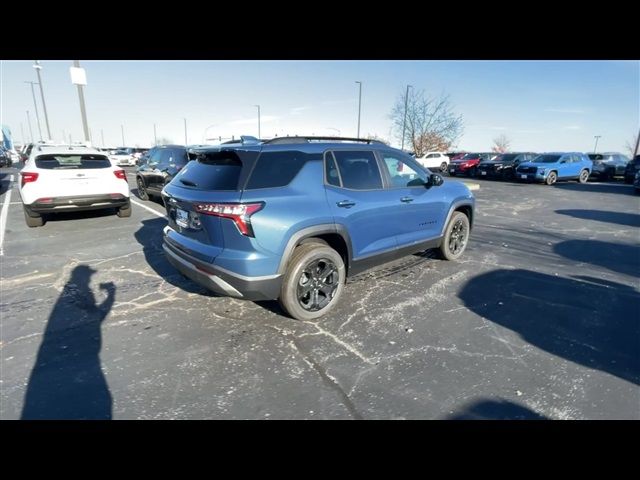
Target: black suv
158	167
504	165
632	167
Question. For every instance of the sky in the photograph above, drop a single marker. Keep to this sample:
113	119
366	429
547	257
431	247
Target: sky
539	105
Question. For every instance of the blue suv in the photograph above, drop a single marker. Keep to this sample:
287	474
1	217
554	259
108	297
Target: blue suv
290	218
551	167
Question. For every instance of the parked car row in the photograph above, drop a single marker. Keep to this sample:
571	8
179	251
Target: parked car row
546	168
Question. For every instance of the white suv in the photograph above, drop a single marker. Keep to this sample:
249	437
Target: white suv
434	161
70	178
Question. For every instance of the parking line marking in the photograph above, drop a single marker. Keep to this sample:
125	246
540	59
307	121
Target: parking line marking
155	212
4	213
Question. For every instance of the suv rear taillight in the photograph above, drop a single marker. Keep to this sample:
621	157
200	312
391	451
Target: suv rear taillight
240	213
120	174
28	177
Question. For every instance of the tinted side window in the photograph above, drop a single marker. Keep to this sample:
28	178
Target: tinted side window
331	170
277	169
154	159
358	170
212	171
177	156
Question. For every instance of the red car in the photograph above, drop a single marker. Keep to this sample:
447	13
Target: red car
468	163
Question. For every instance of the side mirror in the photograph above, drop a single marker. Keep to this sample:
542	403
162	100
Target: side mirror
435	180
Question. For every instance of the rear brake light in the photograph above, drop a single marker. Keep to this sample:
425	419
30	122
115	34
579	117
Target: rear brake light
44	200
120	174
28	177
240	213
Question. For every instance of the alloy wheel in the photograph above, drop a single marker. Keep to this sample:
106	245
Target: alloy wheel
317	284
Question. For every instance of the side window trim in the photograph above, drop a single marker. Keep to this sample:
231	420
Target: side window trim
388	184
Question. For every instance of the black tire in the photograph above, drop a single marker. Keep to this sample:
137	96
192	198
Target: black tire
124	212
142	191
313	282
584	176
443	167
32	219
472	172
628	180
456	237
452	174
551	178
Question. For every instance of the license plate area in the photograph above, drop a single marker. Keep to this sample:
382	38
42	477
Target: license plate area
523	176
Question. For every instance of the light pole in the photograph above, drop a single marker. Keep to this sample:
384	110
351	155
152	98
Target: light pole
22	131
185	132
79	78
33	93
155	136
597	137
122	130
331	128
404	123
30	130
102	136
359	106
258	120
204	134
38	67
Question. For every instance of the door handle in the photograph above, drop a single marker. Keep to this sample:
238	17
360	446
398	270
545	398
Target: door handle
345	203
406	199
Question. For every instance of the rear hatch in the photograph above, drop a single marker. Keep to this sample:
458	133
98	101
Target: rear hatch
75	174
214	178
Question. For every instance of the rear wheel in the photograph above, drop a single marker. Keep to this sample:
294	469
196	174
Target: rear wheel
472	171
456	237
32	219
313	282
551	178
443	167
142	191
584	176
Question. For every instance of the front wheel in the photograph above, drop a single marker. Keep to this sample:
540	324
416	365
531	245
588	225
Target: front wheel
584	176
313	283
124	212
456	237
551	178
443	167
142	191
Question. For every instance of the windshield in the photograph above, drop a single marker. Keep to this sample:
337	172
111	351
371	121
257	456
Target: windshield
505	158
470	156
546	159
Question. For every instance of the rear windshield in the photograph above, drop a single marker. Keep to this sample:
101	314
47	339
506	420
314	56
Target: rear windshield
57	162
505	158
211	171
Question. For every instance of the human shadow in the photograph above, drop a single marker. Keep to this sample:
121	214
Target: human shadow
586	320
150	236
67	381
613	256
618	218
500	409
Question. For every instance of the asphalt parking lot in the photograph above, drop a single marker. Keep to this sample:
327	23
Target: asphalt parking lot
539	320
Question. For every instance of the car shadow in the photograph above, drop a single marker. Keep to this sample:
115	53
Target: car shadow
67	216
585	320
67	381
612	256
152	198
150	237
620	188
619	218
499	409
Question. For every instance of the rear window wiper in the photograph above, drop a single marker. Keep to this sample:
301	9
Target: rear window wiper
188	183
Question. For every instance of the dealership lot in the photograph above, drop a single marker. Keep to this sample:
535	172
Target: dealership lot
538	320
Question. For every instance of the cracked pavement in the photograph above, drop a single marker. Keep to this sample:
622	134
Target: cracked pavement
540	319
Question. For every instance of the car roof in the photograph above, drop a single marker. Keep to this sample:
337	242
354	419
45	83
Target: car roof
64	149
302	145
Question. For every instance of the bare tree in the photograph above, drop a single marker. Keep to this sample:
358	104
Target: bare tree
430	123
632	145
164	141
501	143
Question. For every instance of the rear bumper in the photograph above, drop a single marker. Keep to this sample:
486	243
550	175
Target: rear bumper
76	203
223	281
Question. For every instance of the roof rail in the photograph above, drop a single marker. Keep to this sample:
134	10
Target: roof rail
244	140
307	139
